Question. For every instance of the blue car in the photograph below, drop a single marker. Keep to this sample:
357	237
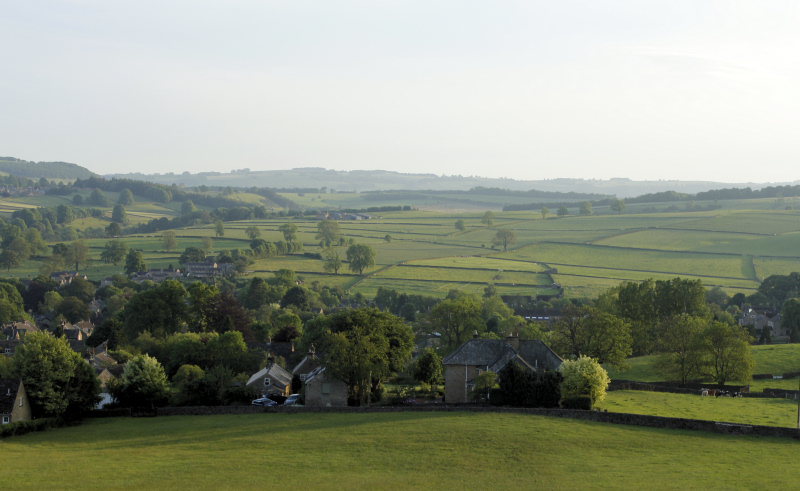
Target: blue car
264	401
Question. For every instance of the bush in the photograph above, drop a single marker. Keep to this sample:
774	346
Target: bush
23	427
577	402
584	376
497	397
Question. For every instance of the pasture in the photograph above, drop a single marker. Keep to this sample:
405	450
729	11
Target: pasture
391	451
733	247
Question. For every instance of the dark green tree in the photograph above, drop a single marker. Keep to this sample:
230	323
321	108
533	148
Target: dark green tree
125	197
504	237
360	257
134	262
114	251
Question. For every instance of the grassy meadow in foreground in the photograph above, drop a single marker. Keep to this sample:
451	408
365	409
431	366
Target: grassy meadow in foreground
389	451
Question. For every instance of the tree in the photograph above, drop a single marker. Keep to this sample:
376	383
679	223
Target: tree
590	332
586	208
143	383
428	367
192	255
12	307
545	212
78	254
56	379
134	262
252	232
169	240
460	226
20	246
9	259
482	384
118	214
296	296
97	198
207	244
289	231
113	230
790	319
37	245
219	228
327	232
584	377
681	357
73	309
332	261
125	197
455	319
114	251
360	257
187	207
562	211
363	346
488	218
161	310
504	237
726	350
618	206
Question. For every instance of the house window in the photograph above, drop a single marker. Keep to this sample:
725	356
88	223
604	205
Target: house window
303	377
267	382
6	419
7	351
326	388
20	402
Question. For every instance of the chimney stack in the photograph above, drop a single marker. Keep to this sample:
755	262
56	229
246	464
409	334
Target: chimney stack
513	340
475	334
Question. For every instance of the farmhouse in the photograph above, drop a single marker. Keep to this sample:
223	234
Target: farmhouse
480	355
14	405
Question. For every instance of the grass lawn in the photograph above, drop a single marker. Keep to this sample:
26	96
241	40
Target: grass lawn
769	412
390	451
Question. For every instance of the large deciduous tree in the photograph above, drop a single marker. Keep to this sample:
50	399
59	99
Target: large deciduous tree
681	355
143	383
504	237
590	332
360	257
78	254
161	310
169	240
327	232
289	231
456	319
332	261
56	379
726	349
114	251
584	377
134	262
362	346
488	218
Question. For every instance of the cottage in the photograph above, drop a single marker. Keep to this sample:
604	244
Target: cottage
306	365
321	390
271	380
14	405
480	355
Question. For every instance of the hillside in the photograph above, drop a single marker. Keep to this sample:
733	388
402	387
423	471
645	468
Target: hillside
314	179
48	170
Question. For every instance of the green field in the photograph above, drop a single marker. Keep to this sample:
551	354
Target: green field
390	451
734	247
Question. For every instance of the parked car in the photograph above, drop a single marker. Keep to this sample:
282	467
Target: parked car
264	401
291	400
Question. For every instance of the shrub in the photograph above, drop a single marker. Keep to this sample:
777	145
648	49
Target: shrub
577	402
582	377
23	427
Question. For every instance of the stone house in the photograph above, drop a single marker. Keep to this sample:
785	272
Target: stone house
321	390
306	365
14	405
476	356
272	379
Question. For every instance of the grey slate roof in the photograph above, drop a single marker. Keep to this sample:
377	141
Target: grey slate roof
8	394
497	353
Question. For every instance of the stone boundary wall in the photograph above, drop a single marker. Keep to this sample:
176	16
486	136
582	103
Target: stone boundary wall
599	416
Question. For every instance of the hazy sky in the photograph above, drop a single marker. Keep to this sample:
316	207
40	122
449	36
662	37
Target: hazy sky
689	90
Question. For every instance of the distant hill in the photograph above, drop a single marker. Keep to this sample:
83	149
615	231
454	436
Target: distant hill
313	179
48	170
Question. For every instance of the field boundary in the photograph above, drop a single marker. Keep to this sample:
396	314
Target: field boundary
663	422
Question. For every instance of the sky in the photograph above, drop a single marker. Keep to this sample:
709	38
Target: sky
678	90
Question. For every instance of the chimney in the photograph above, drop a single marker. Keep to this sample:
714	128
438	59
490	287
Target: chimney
475	334
311	352
513	340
